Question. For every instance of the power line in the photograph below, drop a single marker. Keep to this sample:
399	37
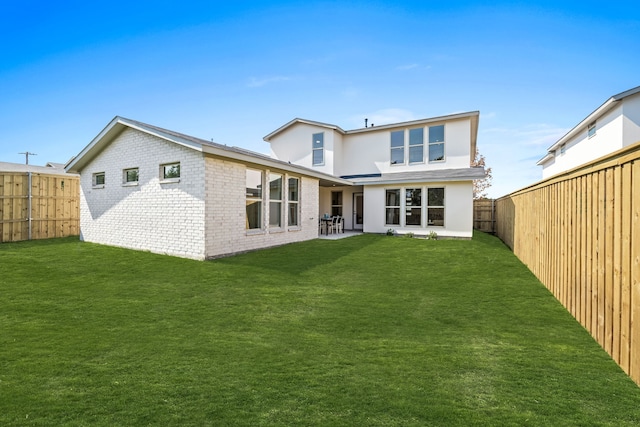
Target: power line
27	154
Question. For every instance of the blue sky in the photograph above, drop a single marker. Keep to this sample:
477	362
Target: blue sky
235	71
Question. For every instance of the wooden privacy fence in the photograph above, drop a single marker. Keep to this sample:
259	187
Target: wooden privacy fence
579	233
38	206
483	215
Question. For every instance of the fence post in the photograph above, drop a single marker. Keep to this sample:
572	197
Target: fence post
29	195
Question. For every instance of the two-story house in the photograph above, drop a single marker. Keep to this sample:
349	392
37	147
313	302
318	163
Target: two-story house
612	126
148	188
412	177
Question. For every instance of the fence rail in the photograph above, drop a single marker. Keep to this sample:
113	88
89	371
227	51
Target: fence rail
579	233
38	206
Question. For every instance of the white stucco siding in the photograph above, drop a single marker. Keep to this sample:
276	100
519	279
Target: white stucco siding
458	210
165	218
295	145
226	211
631	120
581	148
369	152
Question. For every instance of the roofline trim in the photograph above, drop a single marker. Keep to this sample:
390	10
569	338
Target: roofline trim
455	116
303	121
117	125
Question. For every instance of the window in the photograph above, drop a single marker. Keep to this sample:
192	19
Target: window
170	171
416	145
591	129
435	206
130	176
436	143
336	203
413	206
397	147
275	200
254	199
563	149
318	149
98	179
294	201
392	207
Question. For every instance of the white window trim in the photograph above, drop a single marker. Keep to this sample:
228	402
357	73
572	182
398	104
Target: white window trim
293	227
93	180
427	206
126	183
403	201
398	207
421	161
424	207
313	149
403	148
164	180
591	126
341	205
443	142
281	201
266	201
261	229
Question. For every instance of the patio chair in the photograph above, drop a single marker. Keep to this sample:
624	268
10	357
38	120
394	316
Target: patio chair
333	225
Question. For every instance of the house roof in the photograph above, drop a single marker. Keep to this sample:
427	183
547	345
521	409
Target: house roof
119	124
22	168
594	116
439	175
303	121
473	115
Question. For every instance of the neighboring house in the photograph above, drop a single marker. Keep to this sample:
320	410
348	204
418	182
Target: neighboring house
612	126
412	177
148	188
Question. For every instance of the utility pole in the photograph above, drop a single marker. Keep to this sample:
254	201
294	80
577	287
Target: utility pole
27	154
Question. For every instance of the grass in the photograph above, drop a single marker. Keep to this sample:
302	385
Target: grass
370	330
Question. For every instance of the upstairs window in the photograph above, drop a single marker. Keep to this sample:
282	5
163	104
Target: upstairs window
416	145
591	129
436	143
397	147
318	149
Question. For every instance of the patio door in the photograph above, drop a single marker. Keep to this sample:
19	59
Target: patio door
358	211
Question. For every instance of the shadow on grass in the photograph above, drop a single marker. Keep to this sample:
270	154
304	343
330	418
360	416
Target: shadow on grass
298	258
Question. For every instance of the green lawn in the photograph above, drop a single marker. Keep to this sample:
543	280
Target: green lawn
365	331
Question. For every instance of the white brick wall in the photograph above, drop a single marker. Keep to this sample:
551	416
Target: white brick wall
161	218
226	212
201	216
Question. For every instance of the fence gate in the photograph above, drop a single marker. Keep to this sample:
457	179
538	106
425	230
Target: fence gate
484	215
